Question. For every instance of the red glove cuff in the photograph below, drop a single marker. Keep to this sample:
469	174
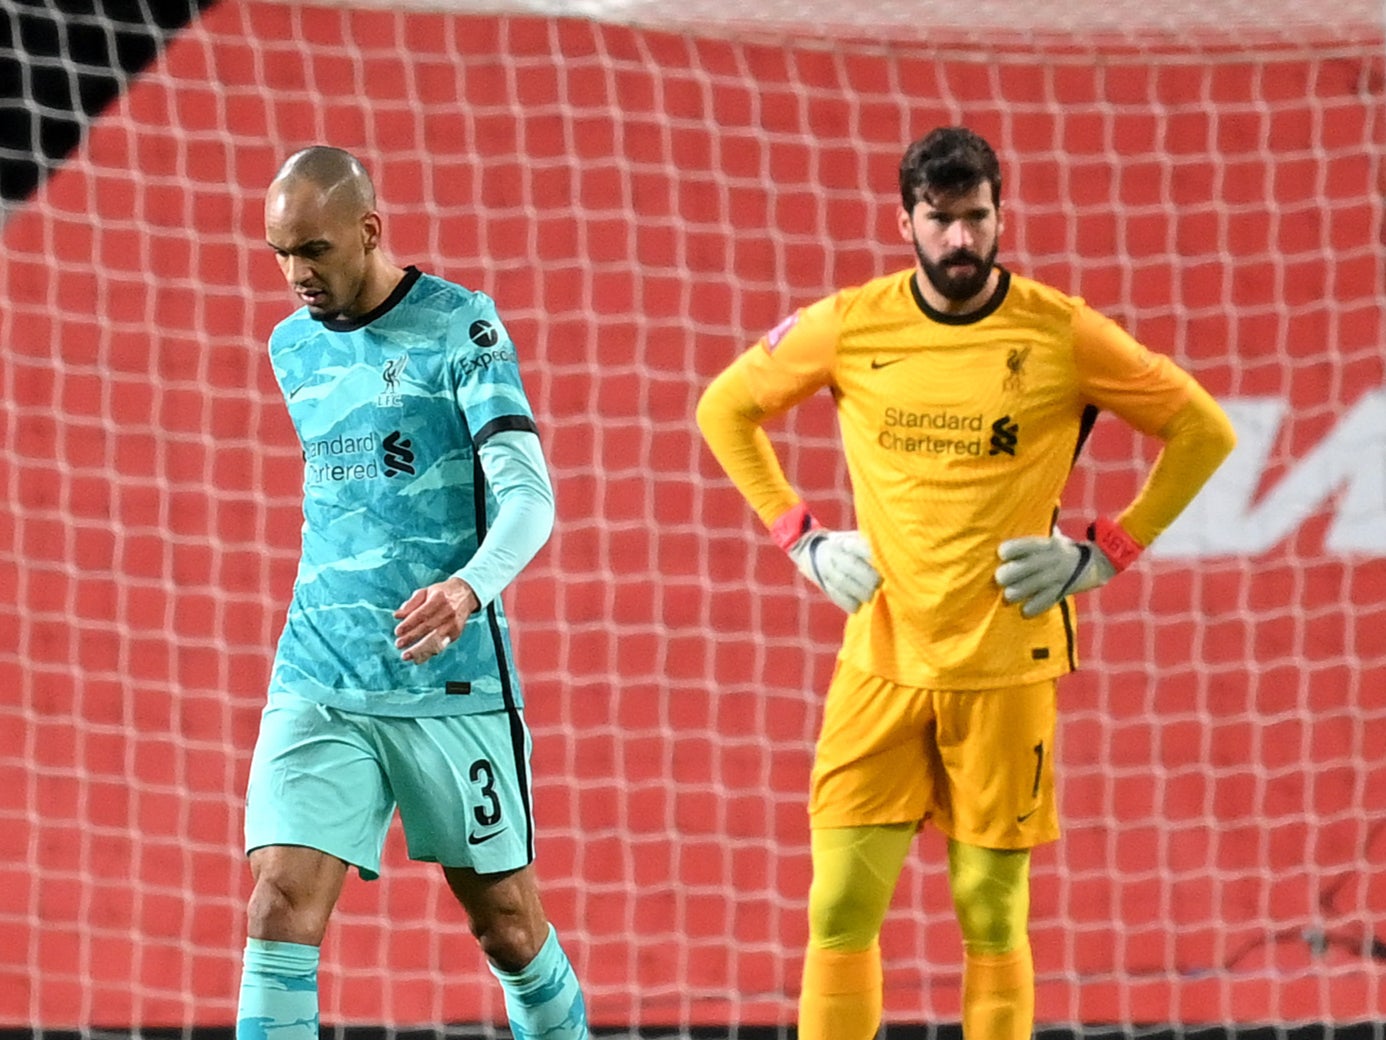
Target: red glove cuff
1115	543
792	526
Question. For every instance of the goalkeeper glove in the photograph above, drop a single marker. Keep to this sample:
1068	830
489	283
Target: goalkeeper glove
1042	571
838	562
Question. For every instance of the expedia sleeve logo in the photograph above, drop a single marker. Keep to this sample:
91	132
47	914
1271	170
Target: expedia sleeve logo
486	359
483	333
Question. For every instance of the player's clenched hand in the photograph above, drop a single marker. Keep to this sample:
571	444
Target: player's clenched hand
432	618
1042	571
839	563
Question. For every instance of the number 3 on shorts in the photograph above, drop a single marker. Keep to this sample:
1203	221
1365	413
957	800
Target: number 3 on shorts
483	774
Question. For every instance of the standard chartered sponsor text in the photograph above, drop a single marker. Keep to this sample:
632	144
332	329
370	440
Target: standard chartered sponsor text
339	446
914	432
333	448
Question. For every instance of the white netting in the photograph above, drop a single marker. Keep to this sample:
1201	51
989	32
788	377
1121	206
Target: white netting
925	18
643	195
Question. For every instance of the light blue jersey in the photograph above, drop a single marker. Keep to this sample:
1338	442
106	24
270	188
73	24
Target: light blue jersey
392	410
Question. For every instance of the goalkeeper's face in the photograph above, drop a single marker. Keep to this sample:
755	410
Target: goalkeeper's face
323	250
955	238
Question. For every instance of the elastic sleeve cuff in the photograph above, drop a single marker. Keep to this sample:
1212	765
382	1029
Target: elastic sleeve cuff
1116	544
792	526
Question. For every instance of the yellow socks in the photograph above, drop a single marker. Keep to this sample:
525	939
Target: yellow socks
991	894
854	874
999	995
841	998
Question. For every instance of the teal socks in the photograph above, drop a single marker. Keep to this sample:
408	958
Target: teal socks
279	992
543	999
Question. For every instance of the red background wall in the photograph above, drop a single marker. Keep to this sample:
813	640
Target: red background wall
642	205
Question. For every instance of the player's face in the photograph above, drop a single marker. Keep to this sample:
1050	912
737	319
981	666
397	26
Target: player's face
322	249
955	238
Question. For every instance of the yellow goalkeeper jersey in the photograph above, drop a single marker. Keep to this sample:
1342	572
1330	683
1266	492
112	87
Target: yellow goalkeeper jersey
959	433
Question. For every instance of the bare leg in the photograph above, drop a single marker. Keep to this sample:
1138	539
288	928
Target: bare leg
542	996
295	891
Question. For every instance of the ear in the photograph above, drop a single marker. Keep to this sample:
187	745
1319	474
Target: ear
1000	220
902	217
370	231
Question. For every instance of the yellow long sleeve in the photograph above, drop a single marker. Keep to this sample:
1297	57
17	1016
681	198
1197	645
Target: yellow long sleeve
730	419
1197	439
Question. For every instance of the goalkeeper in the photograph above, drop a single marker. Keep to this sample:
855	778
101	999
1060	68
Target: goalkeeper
964	393
425	493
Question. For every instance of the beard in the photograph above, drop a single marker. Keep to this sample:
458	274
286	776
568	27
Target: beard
962	283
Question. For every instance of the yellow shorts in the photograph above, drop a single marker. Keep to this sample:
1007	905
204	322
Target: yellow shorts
979	763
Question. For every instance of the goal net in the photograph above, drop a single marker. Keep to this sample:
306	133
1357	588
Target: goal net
645	186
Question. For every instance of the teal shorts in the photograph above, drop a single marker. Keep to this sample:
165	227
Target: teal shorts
330	780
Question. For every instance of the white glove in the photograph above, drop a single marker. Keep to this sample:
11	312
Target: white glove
1042	571
839	563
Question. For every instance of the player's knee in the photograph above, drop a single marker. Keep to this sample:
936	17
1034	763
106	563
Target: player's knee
843	918
991	897
282	910
987	926
510	940
854	872
504	913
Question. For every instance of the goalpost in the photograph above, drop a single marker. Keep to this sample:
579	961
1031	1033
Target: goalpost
645	186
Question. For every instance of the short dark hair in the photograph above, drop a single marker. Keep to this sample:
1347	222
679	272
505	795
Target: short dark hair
331	169
950	160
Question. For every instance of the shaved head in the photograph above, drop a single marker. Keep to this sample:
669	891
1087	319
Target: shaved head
321	221
337	176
